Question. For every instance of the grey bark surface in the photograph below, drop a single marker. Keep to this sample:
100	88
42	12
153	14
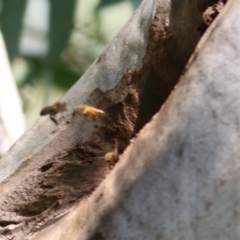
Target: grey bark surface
179	179
49	170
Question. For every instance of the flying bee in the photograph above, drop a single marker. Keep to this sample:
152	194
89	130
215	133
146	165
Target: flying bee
53	110
88	111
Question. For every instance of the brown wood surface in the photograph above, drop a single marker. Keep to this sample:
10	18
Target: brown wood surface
177	176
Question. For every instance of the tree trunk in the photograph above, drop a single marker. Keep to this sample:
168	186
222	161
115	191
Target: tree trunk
177	179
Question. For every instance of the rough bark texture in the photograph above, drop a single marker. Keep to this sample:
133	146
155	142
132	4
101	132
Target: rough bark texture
180	177
48	170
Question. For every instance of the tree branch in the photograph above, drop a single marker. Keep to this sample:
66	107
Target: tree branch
49	169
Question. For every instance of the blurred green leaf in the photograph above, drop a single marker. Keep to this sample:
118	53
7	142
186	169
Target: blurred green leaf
34	72
104	3
60	28
11	24
64	77
135	3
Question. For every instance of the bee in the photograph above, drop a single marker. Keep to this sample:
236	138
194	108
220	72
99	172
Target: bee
111	158
88	111
53	110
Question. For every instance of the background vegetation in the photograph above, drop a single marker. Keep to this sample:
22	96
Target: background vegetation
50	44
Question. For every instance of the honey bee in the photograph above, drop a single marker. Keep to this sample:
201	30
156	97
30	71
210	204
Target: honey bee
53	110
88	111
111	158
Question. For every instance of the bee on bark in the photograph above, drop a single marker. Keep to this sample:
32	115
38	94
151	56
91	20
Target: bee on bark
88	111
112	157
53	110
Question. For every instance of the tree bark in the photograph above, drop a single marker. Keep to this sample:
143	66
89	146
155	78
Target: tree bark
153	190
179	179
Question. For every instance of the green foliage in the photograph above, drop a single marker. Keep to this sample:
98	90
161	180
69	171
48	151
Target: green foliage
64	77
105	3
11	24
78	31
135	3
60	29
